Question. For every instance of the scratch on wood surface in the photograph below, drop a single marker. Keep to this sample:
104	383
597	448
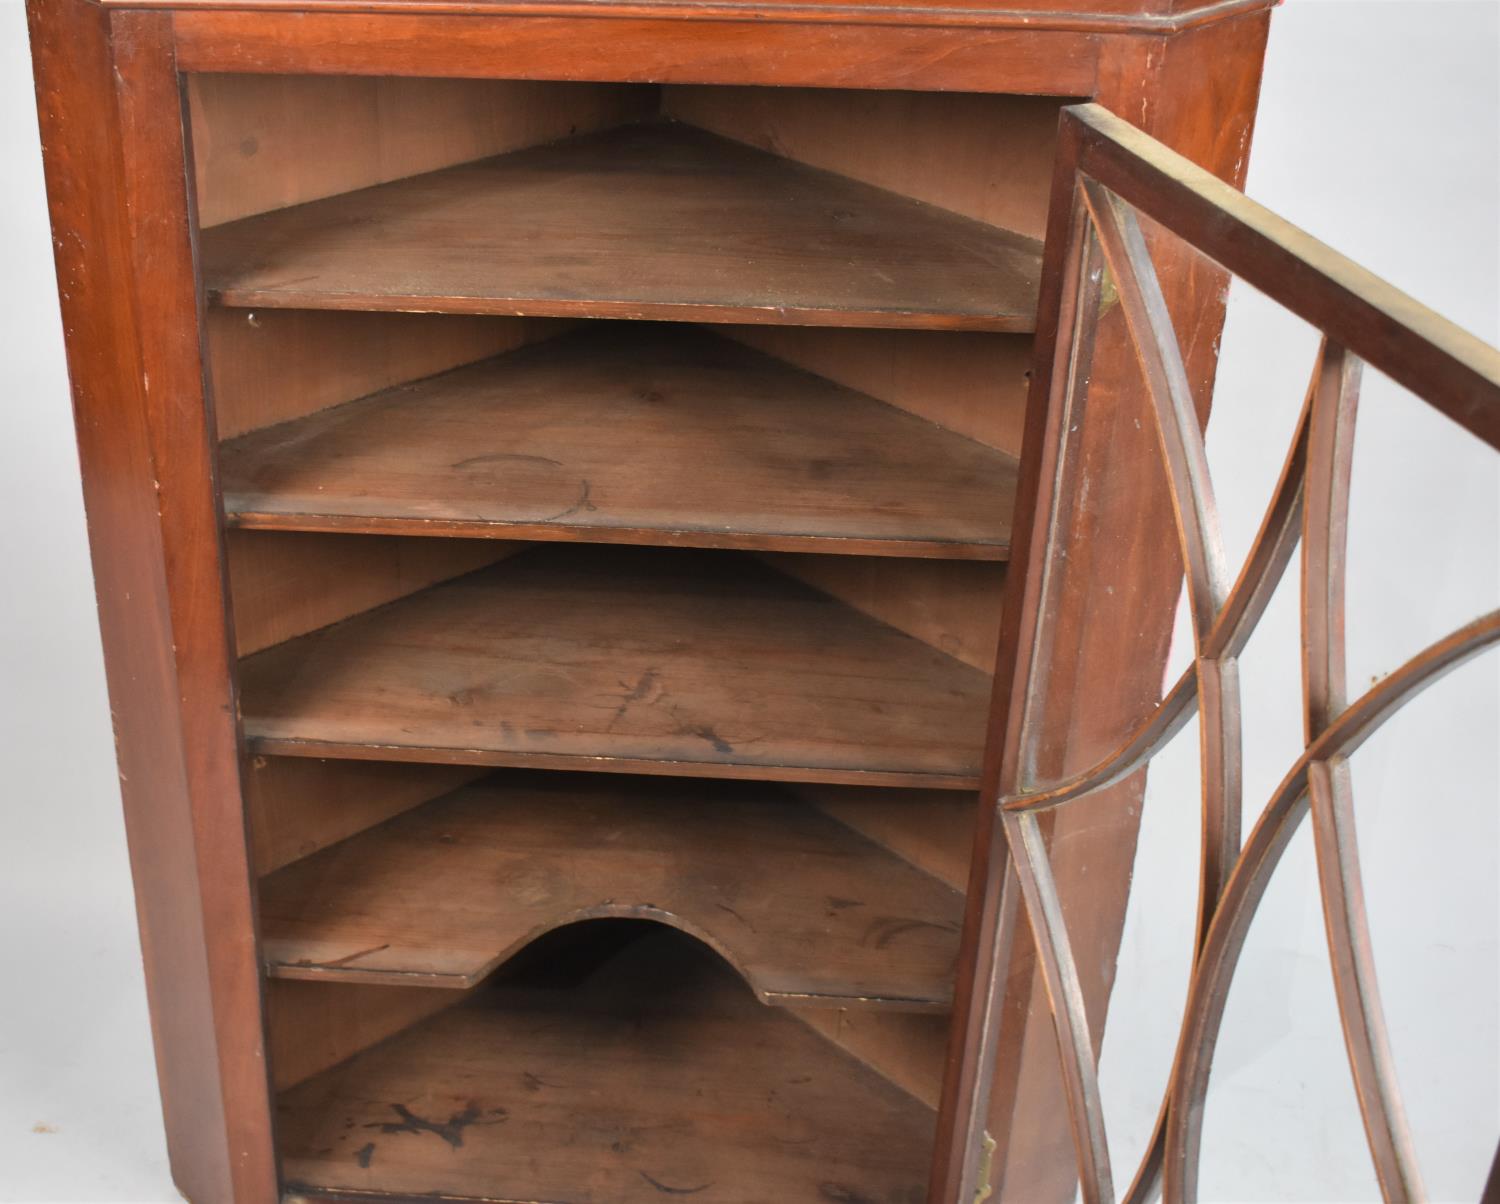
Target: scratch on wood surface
345	960
506	458
885	930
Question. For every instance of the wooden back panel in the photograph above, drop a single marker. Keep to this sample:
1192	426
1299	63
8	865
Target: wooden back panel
988	157
274	365
263	142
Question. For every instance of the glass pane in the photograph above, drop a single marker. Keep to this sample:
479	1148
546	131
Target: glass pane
1265	362
1115	568
1151	978
1428	828
1424	530
1281	1121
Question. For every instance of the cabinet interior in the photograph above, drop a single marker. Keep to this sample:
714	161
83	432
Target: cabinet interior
617	486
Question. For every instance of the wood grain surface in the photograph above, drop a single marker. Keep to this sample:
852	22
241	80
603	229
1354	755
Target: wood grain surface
653	436
255	150
298	805
660	1077
689	663
806	909
644	221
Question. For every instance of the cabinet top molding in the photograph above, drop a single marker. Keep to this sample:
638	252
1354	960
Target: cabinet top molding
1075	16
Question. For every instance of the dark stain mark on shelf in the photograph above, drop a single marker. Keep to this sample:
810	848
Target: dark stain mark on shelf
674	1191
583	504
633	694
364	1154
705	731
451	1130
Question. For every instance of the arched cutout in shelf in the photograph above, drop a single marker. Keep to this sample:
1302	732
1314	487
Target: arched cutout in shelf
808	911
531	1091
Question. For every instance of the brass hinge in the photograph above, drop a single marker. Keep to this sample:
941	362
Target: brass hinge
983	1188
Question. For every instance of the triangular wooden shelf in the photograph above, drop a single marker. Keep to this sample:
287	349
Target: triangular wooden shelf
806	909
642	435
703	664
660	1076
643	221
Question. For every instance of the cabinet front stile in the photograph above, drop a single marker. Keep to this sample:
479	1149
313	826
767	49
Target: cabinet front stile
110	109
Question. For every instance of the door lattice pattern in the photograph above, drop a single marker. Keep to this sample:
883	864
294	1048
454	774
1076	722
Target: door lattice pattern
1107	175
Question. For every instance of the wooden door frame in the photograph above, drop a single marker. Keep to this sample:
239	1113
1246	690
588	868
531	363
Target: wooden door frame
1107	172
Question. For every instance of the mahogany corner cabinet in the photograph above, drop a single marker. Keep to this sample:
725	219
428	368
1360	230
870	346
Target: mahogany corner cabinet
551	468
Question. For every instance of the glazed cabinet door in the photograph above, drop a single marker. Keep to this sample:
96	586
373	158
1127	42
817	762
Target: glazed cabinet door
1113	401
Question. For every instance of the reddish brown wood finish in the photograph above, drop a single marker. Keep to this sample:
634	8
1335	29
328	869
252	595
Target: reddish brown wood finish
158	177
111	126
808	911
1097	16
659	1078
656	220
625	660
70	46
727	449
641	49
1186	70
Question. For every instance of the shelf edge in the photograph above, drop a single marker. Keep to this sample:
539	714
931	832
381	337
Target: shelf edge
284	746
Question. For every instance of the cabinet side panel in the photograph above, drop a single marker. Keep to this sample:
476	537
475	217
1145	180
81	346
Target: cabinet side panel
180	427
78	118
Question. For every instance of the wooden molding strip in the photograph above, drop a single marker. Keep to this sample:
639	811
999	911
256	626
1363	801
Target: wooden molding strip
711	10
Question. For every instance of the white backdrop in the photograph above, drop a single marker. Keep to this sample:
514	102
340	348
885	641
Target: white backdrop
1380	132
